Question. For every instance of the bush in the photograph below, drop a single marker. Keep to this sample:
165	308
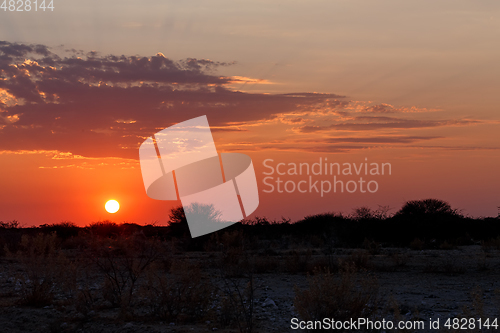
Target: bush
9	225
417	244
44	269
297	262
104	229
426	207
237	302
183	295
358	259
123	261
64	230
341	296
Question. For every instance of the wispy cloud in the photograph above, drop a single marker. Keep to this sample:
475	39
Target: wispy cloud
377	123
382	139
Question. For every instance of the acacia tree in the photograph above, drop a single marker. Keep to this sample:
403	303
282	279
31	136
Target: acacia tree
178	224
427	207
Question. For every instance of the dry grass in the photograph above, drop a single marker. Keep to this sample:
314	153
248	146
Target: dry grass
298	262
359	259
400	259
185	294
237	303
417	244
491	244
342	296
123	262
448	267
45	270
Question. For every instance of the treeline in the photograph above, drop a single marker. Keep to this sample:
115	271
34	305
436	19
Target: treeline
428	223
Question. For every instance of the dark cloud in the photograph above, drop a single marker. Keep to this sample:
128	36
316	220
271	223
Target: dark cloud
312	95
105	105
324	148
385	123
13	51
227	129
333	148
337	144
77	103
382	139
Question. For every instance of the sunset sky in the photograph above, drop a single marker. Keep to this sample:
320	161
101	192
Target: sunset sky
411	83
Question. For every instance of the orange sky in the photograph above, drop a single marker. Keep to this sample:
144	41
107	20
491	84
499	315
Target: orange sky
285	81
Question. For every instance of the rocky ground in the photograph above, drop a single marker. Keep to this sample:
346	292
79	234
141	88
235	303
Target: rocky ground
413	284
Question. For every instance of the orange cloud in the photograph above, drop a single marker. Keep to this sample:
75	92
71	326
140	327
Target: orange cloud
99	106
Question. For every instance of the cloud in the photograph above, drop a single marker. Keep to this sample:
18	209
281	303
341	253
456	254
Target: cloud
98	105
378	123
343	148
10	52
387	108
246	80
381	139
64	160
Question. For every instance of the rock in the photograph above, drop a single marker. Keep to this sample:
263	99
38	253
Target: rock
79	316
269	303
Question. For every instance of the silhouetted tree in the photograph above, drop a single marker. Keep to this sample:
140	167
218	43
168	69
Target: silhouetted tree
177	215
362	213
104	228
178	223
64	229
426	207
9	225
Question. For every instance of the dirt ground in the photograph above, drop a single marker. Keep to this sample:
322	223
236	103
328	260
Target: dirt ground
422	284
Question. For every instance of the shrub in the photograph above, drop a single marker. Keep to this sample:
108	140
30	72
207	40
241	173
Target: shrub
362	213
446	246
448	267
64	230
399	259
44	269
372	247
492	243
265	264
104	229
298	262
341	296
358	259
9	225
417	244
426	207
237	298
475	306
183	295
123	261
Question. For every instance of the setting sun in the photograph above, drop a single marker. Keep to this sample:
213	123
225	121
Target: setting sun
112	206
